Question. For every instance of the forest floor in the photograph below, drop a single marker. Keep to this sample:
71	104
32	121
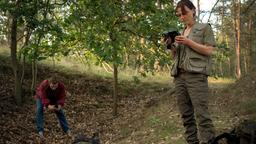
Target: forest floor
147	112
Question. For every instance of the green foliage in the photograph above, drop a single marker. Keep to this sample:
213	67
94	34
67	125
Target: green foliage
94	29
155	120
112	29
126	32
222	54
40	21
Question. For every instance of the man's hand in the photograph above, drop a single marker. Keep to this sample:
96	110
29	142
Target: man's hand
51	107
68	94
44	108
54	107
58	108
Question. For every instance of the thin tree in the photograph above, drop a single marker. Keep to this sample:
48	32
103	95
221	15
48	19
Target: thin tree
198	10
237	23
15	63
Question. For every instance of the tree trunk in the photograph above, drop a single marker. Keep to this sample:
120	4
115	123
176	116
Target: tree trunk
198	10
115	75
34	77
115	90
126	60
139	67
27	34
230	71
53	62
249	41
245	62
222	22
221	69
238	35
15	62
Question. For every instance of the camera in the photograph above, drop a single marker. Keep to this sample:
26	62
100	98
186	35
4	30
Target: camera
170	34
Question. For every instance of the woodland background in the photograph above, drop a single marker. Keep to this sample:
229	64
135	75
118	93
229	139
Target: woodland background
110	56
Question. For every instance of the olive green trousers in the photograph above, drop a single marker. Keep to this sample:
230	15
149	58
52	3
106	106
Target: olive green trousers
191	90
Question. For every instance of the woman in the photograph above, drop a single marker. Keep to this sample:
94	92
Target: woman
192	65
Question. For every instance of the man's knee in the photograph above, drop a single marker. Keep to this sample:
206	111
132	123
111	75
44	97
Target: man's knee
39	109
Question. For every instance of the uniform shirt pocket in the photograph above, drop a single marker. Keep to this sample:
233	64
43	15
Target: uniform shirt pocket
197	35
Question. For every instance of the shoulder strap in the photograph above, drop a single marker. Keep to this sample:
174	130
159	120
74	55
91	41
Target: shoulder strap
253	138
231	138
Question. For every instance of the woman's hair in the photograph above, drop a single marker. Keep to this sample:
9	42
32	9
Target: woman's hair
181	4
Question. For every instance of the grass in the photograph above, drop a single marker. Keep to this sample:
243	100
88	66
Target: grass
4	50
248	107
72	64
160	122
163	127
163	123
220	82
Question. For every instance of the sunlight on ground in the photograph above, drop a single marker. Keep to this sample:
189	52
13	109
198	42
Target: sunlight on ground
4	50
69	64
130	75
220	82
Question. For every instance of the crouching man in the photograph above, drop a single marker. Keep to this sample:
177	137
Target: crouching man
51	95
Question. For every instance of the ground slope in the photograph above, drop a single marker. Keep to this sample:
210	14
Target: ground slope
147	112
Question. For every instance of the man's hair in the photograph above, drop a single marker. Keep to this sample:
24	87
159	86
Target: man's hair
181	4
53	78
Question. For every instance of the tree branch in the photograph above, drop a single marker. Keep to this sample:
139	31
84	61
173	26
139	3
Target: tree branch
107	67
212	10
249	6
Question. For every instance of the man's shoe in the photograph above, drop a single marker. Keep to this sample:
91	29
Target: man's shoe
41	134
69	133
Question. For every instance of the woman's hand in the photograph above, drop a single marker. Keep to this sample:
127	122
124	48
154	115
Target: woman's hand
200	48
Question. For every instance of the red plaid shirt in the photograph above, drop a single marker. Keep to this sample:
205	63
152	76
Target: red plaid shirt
59	93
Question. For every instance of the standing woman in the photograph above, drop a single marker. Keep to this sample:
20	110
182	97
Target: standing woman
192	65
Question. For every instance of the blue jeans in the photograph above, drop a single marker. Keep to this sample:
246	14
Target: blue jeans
40	117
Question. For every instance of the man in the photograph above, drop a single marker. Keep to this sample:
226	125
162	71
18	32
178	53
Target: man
50	95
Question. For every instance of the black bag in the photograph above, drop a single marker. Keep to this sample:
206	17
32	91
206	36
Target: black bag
244	133
82	139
